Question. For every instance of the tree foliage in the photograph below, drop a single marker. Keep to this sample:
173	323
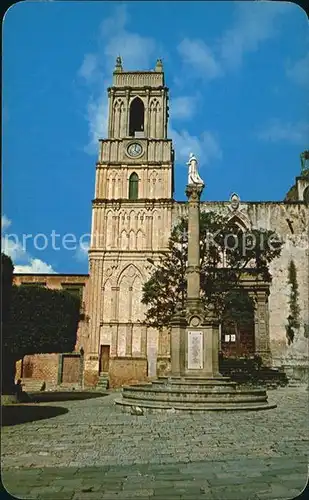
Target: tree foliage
41	320
293	318
239	308
7	269
226	251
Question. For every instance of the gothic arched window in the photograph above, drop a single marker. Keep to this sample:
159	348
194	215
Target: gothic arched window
133	186
136	122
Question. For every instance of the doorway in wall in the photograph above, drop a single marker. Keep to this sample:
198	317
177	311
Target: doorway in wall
104	358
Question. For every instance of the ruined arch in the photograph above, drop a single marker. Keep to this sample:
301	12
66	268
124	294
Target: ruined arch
306	195
240	221
238	324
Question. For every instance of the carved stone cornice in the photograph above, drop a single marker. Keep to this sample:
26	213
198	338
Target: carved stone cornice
141	201
193	269
194	191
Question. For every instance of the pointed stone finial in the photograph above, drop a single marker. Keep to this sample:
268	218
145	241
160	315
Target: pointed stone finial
118	66
234	201
159	66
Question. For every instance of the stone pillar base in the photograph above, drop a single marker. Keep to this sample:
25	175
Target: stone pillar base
201	351
265	356
195	348
178	329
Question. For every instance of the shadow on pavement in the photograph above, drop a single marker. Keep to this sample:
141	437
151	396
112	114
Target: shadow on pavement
21	413
44	397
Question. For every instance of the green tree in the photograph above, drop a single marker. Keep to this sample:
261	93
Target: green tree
7	269
226	251
293	318
7	360
41	320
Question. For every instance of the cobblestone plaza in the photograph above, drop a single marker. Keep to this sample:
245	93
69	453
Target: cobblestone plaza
89	449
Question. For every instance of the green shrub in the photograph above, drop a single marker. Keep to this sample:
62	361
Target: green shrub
41	320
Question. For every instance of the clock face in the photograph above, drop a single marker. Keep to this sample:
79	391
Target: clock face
135	149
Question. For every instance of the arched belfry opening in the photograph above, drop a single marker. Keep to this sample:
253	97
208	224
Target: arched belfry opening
137	114
306	195
133	186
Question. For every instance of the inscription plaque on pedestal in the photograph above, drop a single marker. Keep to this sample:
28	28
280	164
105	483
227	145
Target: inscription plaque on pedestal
195	350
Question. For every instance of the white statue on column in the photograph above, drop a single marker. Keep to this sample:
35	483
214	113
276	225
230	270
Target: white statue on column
193	177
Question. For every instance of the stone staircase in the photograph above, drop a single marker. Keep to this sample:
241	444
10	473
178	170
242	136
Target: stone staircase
103	382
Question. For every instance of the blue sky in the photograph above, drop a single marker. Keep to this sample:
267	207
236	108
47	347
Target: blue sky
238	74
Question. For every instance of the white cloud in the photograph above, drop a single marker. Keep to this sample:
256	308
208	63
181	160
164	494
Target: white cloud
97	116
197	55
255	22
299	71
139	52
36	266
82	252
135	50
14	248
116	22
114	40
296	133
183	107
205	147
5	223
88	67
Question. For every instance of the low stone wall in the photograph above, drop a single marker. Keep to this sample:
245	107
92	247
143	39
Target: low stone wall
91	378
298	372
39	367
127	370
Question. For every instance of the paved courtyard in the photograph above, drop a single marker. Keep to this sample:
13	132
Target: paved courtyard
89	449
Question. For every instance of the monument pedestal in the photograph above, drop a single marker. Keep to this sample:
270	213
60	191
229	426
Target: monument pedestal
194	351
195	383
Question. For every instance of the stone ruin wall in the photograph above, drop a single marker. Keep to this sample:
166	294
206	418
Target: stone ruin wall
291	223
275	216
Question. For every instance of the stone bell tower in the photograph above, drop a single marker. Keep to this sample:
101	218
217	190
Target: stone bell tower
131	223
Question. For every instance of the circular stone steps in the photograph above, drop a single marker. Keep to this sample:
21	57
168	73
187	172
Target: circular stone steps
192	394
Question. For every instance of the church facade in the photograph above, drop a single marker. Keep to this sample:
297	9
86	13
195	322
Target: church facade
133	212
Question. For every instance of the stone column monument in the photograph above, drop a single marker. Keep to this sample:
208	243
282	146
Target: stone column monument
194	337
195	383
